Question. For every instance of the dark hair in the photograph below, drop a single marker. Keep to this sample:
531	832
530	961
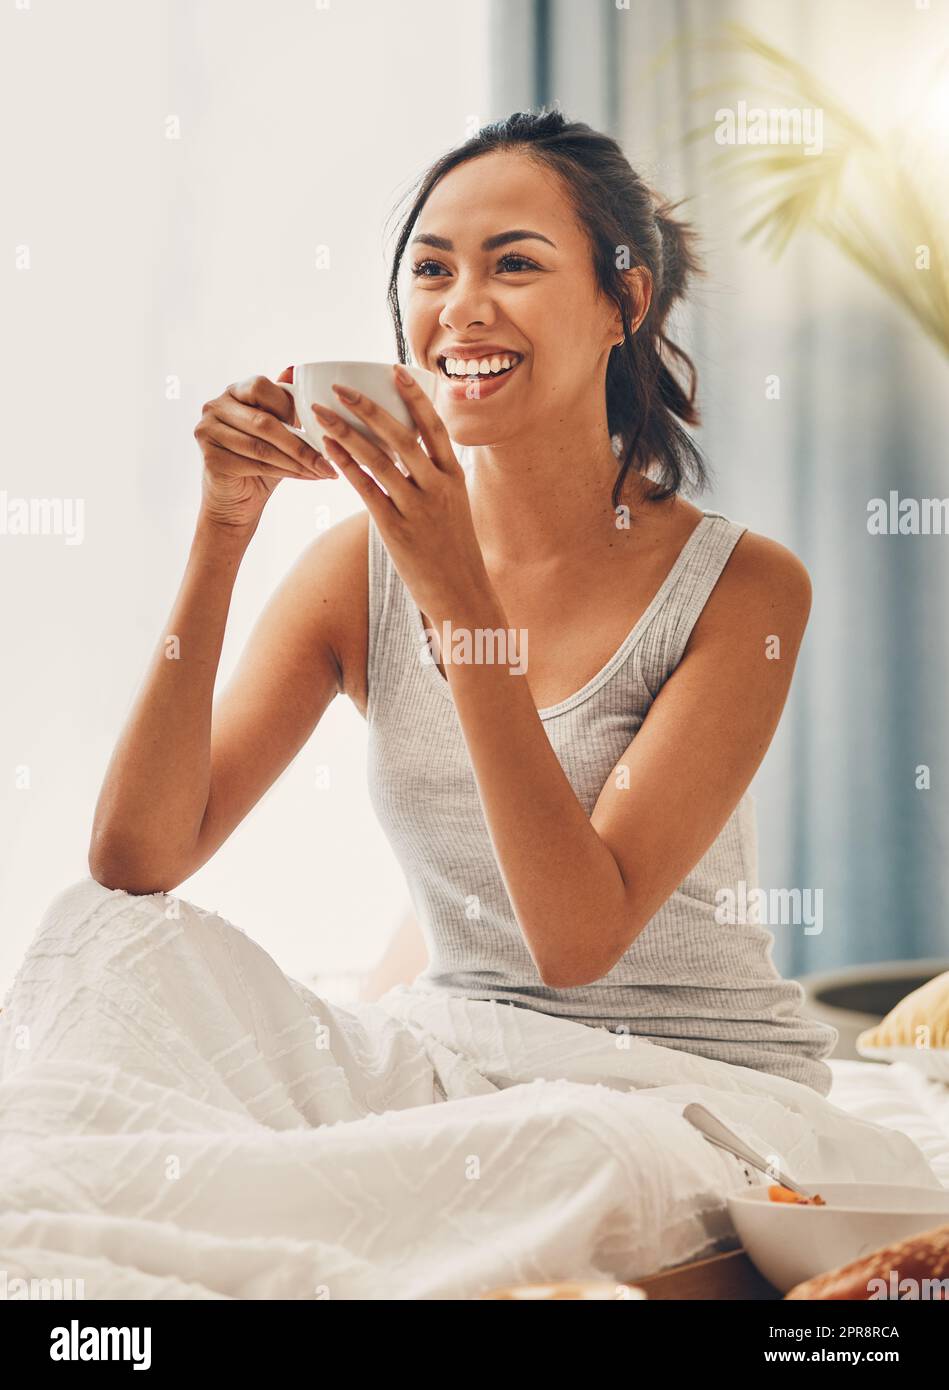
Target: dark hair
645	400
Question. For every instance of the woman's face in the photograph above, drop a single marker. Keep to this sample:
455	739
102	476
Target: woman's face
499	269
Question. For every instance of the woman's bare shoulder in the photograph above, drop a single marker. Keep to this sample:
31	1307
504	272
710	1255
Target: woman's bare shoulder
763	585
765	564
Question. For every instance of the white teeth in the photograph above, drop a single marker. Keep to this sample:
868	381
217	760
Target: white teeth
484	366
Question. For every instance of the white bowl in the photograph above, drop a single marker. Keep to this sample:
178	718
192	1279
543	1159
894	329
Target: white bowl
789	1243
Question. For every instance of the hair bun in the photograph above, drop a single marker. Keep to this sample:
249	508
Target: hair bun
680	258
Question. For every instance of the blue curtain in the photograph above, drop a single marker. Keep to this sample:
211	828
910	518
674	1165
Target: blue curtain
861	413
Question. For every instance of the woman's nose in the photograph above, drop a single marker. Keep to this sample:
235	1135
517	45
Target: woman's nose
466	307
463	321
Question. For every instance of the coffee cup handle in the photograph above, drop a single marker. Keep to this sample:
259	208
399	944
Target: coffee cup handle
302	434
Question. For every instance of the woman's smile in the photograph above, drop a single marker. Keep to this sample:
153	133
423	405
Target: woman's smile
460	383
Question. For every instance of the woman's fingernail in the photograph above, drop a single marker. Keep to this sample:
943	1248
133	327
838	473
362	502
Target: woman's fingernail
327	417
403	375
347	394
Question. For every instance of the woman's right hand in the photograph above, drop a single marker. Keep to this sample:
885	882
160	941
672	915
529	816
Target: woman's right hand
247	450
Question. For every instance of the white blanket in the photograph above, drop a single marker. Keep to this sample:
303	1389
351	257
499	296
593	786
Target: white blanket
180	1119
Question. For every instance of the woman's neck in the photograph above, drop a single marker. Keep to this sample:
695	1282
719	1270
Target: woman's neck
550	499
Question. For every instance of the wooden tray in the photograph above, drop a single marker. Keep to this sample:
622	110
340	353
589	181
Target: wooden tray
727	1276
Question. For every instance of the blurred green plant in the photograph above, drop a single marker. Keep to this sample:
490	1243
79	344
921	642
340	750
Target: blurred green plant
875	198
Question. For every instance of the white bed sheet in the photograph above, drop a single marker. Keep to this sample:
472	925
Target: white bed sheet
901	1098
180	1119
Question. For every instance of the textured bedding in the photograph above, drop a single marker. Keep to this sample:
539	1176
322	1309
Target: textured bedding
181	1119
900	1097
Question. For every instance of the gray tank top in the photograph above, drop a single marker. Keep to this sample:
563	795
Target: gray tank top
688	981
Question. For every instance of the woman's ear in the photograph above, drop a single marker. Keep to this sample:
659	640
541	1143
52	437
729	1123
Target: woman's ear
639	283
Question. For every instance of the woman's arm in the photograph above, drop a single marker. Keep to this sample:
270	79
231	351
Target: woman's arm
583	888
155	790
177	784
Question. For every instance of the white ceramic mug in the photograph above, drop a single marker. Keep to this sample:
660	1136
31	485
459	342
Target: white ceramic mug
313	385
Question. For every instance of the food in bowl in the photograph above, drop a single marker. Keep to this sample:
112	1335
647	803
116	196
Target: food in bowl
790	1242
777	1192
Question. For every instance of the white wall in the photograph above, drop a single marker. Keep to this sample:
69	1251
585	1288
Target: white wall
193	258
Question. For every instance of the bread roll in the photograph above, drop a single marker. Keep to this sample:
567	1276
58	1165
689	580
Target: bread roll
920	1257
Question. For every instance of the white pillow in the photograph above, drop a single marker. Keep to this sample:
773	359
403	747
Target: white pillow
915	1031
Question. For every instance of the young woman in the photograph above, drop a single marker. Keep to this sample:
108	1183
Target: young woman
568	834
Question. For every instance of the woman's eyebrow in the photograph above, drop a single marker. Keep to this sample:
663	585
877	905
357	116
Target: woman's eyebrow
490	243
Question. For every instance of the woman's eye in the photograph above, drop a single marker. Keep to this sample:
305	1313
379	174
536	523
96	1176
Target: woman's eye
521	262
431	270
421	268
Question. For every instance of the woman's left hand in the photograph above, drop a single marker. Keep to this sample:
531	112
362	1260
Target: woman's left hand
425	521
